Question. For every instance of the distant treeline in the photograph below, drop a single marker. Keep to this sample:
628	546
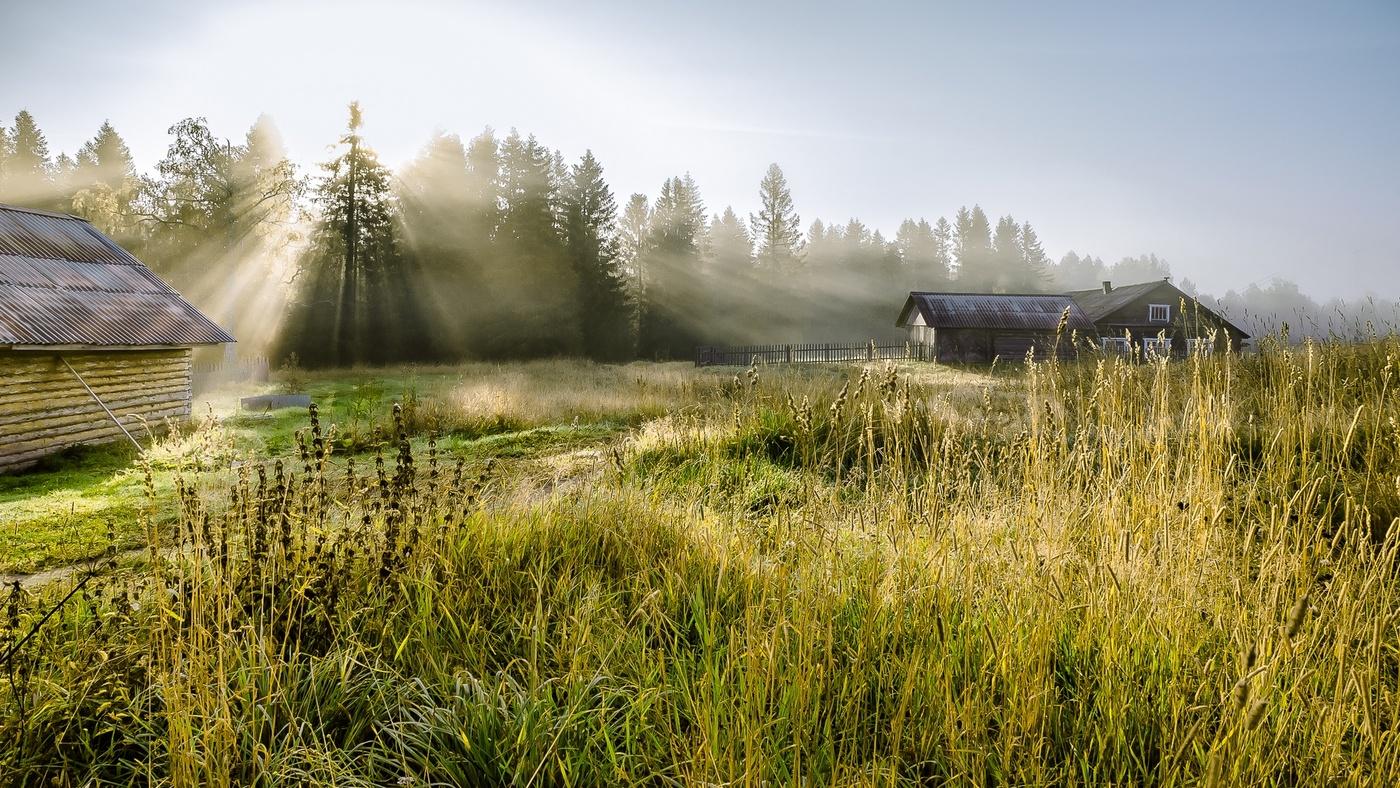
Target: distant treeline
499	248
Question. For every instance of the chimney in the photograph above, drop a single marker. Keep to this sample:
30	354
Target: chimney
1107	286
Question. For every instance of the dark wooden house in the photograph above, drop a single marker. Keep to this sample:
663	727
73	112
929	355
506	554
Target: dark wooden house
94	347
1155	317
977	327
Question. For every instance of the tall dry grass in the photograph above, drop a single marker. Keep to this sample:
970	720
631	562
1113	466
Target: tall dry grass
1104	572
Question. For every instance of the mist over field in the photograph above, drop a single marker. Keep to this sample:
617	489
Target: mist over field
1245	160
706	394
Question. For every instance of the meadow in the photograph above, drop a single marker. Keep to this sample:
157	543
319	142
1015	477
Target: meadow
560	573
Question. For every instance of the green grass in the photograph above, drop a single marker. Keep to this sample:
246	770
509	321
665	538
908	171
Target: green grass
1070	574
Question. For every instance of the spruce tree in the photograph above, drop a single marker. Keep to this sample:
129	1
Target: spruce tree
593	243
435	206
28	170
105	186
1035	264
973	240
6	151
633	235
671	273
734	294
1005	261
539	291
353	287
925	264
777	229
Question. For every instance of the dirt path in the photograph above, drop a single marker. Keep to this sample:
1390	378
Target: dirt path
59	573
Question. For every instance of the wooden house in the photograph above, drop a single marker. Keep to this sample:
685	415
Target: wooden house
1155	317
94	346
977	327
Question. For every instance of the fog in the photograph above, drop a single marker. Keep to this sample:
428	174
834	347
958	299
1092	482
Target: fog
621	181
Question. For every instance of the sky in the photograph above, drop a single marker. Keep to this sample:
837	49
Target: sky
1240	141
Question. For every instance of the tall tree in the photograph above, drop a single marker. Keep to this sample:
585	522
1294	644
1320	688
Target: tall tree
777	229
541	291
633	236
973	234
105	186
925	263
1035	263
733	288
671	272
214	201
28	169
353	288
6	151
1005	274
593	243
435	209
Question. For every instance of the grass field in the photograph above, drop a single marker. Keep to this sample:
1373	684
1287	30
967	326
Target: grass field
565	574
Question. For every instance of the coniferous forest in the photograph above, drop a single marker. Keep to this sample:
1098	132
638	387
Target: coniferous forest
498	247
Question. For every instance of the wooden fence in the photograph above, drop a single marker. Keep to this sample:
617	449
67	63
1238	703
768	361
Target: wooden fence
244	369
809	353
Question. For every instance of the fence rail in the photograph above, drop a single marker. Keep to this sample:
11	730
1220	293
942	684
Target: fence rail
245	369
806	353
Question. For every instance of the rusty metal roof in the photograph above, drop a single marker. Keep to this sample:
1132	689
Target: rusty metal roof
64	283
1033	312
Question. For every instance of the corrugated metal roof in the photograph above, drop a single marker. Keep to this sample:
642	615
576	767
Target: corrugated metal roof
1035	312
64	283
1099	305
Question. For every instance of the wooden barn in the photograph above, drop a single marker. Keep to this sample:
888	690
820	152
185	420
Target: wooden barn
977	327
94	347
1156	317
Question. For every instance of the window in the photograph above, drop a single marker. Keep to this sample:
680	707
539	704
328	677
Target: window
1159	313
1156	346
1118	345
1202	346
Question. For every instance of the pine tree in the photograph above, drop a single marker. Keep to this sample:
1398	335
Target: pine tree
354	286
435	204
925	263
594	248
540	293
973	240
28	169
1005	262
6	151
1035	264
732	280
943	249
632	239
777	229
671	272
105	186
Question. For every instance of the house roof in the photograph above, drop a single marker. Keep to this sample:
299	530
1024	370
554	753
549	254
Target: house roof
64	283
1032	312
1098	305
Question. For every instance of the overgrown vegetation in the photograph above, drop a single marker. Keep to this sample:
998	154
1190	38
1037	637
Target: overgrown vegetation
1100	572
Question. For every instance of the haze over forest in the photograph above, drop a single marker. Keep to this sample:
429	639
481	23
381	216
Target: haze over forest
672	199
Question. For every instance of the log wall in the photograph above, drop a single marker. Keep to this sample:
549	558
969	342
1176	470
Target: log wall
44	409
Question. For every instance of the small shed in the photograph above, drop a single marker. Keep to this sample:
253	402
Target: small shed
1156	317
93	345
977	327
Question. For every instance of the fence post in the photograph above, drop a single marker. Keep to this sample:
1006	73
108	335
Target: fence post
787	353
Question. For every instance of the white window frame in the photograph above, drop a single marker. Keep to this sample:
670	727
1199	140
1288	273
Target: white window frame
1166	313
1200	345
1157	346
1119	345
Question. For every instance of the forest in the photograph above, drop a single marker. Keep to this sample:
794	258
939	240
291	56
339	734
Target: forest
500	248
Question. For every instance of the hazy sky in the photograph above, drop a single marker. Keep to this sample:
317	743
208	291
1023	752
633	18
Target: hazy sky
1237	140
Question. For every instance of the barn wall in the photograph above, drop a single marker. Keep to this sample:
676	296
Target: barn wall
44	409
